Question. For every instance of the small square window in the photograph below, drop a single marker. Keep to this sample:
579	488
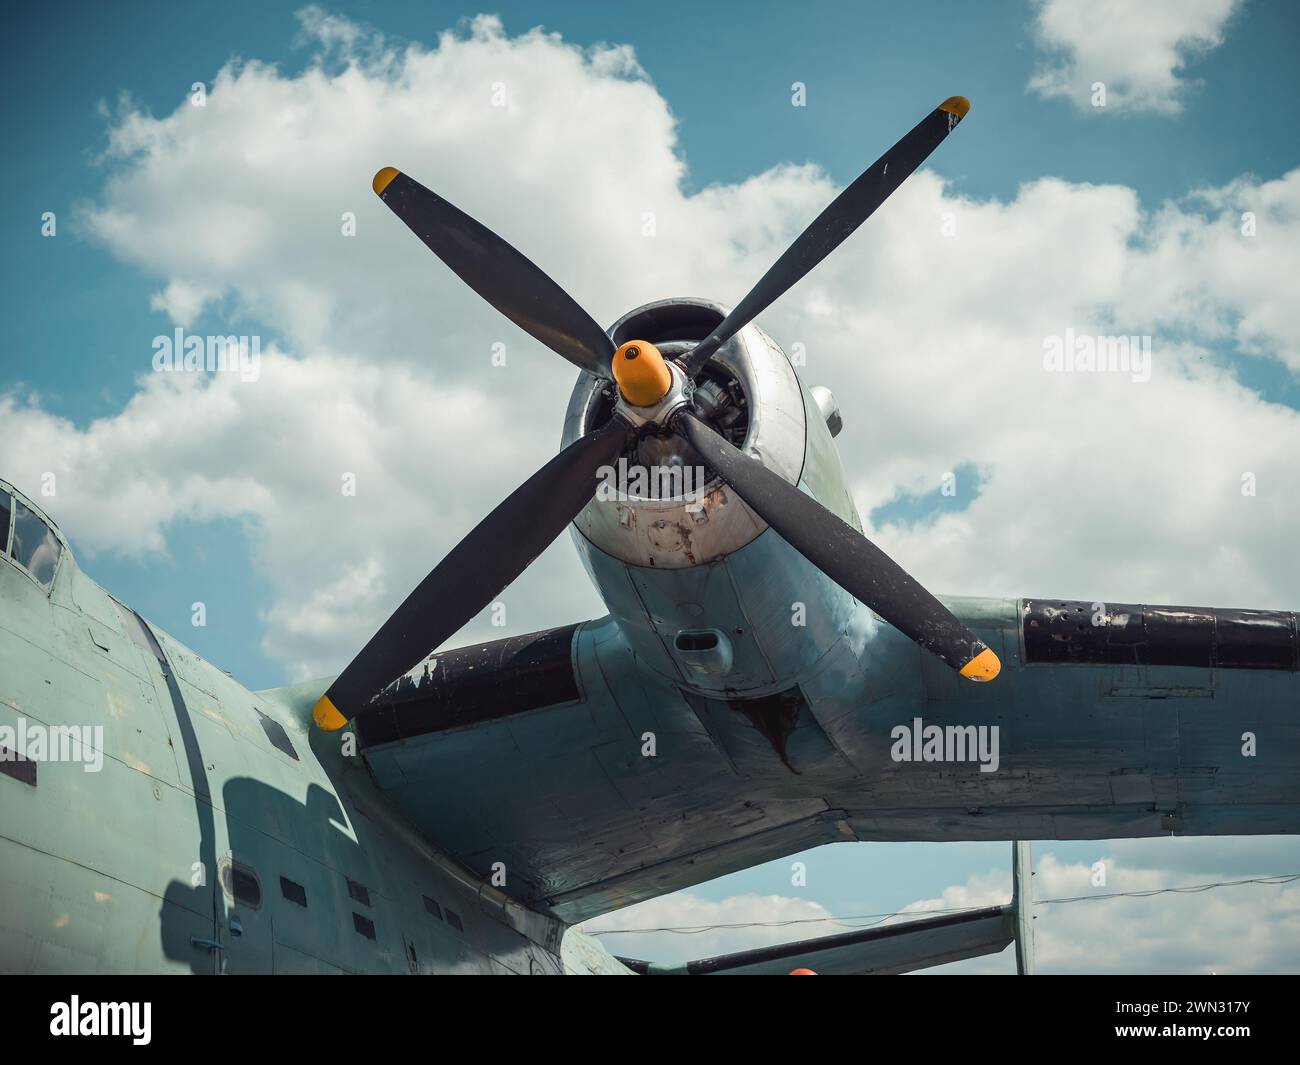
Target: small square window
276	734
364	925
453	919
240	883
358	892
432	907
293	892
15	765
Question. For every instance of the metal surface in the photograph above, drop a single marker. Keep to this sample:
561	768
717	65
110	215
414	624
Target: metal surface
737	705
1022	904
471	685
488	558
830	410
678	533
1128	634
1087	751
498	272
853	206
599	764
116	870
678	396
902	947
897	948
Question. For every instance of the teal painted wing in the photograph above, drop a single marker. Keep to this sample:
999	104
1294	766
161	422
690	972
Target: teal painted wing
563	769
581	782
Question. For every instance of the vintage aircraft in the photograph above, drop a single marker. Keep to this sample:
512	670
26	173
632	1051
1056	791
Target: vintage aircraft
766	681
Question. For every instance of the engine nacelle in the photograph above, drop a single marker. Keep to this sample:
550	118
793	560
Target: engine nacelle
750	380
700	594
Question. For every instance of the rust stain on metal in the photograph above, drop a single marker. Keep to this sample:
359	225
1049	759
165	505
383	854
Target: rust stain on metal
134	762
688	549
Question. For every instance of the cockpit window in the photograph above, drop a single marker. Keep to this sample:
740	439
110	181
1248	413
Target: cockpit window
34	546
4	521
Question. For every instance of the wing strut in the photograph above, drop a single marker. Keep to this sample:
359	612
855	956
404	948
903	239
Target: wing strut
1022	904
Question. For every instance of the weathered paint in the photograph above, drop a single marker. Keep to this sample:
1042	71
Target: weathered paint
120	870
659	773
1087	751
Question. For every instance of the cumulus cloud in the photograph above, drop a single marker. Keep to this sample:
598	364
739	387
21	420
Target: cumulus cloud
348	487
1249	928
181	301
930	325
1139	52
1238	929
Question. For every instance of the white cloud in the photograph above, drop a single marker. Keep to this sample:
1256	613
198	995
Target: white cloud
246	196
376	360
1138	51
1238	929
1137	486
275	453
1092	485
1249	928
181	301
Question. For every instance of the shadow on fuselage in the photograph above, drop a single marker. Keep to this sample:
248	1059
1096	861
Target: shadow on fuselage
261	836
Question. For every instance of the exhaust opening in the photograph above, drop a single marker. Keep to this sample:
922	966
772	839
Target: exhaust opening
703	654
696	641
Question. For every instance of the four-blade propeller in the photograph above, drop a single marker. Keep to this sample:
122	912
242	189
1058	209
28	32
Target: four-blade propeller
502	545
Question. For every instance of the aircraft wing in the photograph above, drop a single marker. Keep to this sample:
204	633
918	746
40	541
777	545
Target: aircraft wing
881	951
590	784
579	781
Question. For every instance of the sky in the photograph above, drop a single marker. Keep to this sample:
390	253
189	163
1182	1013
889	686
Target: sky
1170	209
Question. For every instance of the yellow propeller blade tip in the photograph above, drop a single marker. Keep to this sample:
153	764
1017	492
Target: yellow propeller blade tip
327	716
984	666
383	178
956	105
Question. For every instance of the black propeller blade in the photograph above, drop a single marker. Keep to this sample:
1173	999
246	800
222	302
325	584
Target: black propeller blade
829	229
502	545
494	553
843	554
512	283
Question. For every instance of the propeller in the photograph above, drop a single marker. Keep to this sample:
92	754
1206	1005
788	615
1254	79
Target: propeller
842	553
829	229
504	543
512	283
495	552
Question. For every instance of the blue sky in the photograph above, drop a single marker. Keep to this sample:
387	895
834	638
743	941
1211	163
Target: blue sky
80	314
727	77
